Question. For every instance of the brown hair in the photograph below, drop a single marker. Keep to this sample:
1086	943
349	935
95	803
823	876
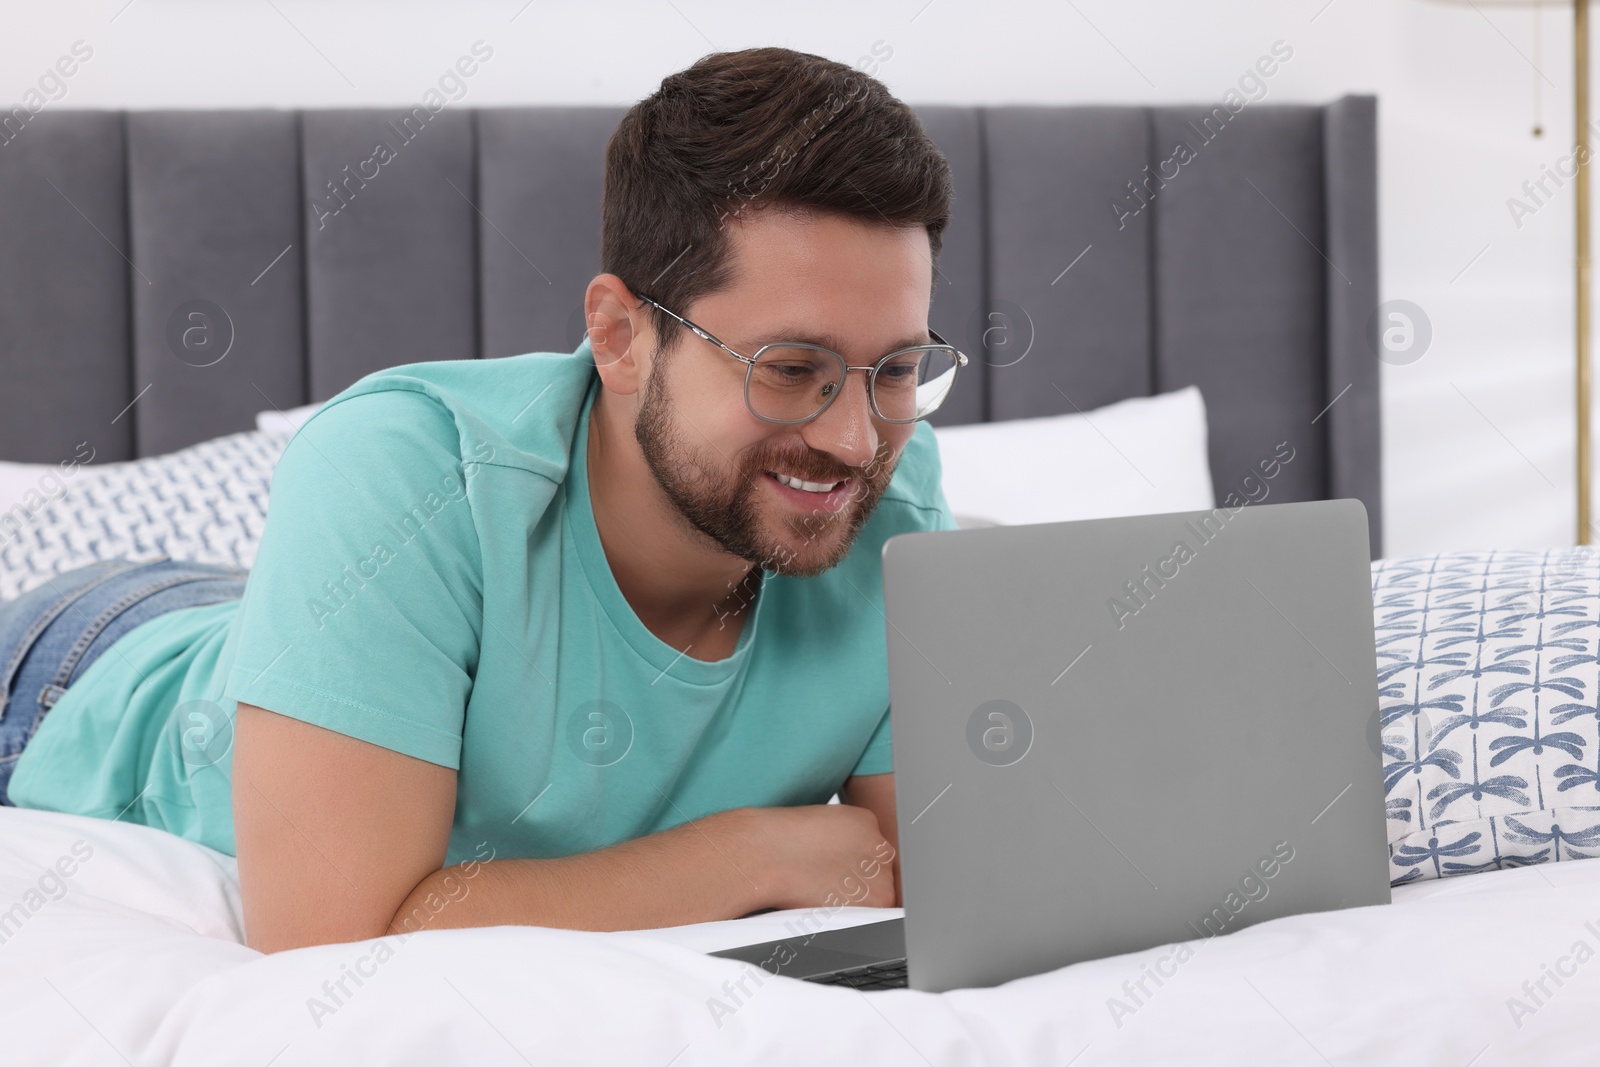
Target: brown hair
763	127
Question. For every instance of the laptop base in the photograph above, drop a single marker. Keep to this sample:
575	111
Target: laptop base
869	956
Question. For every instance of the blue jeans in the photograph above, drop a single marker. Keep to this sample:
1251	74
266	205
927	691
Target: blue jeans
51	634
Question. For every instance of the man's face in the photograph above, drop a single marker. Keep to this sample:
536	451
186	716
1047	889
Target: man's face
859	289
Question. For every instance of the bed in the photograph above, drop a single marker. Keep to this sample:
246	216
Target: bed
137	957
1250	276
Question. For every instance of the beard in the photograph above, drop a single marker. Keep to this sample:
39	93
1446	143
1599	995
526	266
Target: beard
725	507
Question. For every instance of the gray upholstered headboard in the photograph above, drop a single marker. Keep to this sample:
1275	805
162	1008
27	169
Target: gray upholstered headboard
1090	260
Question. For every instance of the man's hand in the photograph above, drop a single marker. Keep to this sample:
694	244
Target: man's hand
875	792
820	855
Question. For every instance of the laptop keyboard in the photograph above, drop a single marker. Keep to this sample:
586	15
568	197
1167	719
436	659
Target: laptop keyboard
888	975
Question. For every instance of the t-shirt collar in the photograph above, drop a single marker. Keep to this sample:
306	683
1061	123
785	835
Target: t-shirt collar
597	571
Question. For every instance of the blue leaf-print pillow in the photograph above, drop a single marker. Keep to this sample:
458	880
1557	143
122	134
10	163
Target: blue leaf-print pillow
1489	708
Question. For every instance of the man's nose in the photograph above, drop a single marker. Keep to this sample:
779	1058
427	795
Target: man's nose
846	430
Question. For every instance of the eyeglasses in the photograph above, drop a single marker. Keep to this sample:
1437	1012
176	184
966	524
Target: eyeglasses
793	382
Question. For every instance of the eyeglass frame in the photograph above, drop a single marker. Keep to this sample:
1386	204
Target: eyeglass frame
872	369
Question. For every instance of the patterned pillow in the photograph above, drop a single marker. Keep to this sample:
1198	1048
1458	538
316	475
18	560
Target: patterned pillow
207	503
1489	708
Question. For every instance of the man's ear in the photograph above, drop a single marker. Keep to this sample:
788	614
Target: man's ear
611	314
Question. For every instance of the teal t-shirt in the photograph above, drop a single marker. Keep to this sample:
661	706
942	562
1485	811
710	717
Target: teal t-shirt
430	579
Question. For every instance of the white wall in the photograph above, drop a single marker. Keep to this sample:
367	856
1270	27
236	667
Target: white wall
1478	434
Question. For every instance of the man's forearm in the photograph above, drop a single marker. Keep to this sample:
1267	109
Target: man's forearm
691	873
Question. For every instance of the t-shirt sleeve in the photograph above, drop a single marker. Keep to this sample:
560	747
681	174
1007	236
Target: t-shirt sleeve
920	473
878	757
363	609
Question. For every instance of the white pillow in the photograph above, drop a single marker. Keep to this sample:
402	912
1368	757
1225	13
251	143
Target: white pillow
25	488
1140	456
31	483
33	480
284	421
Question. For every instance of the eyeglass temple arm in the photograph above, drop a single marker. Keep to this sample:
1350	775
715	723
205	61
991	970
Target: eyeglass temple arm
961	357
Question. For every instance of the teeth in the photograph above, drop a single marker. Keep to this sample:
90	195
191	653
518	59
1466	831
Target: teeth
810	487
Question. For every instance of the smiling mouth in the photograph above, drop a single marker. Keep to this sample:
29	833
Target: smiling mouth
820	488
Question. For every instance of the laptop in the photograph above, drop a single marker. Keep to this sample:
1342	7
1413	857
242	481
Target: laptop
1119	733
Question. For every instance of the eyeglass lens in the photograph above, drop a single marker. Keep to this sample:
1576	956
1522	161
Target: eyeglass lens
788	384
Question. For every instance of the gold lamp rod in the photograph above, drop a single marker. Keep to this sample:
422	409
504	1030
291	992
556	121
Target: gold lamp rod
1580	81
1580	115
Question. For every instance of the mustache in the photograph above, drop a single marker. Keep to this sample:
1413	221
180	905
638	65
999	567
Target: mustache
817	468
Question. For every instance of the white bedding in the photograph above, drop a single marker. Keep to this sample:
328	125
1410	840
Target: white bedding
134	957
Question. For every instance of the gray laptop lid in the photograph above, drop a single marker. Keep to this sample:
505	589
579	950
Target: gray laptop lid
1120	733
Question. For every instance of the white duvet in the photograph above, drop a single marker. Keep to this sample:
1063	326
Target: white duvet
121	944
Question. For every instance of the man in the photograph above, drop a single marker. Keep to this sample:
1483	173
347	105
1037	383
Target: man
582	640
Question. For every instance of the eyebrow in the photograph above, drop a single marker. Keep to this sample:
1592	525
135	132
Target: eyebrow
830	341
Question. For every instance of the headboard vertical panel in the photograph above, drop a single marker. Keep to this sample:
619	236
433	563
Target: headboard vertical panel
391	245
64	283
1350	146
1241	287
959	296
219	327
1073	268
541	175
